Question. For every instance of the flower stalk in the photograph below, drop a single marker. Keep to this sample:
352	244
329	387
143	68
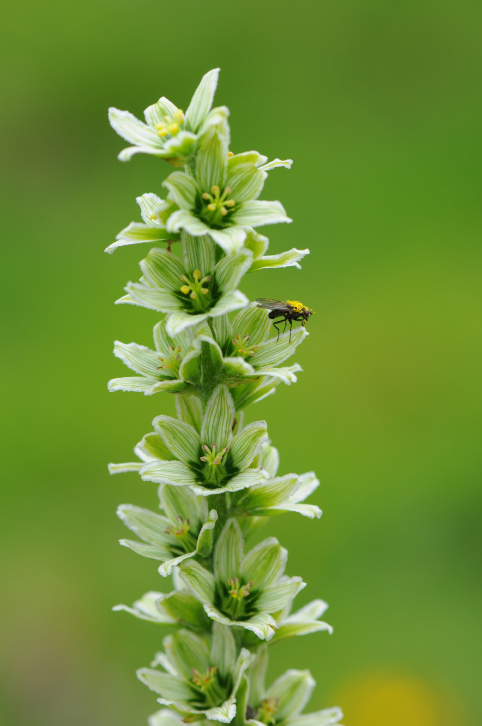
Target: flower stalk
217	477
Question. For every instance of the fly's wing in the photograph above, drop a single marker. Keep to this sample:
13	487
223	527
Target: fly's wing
269	304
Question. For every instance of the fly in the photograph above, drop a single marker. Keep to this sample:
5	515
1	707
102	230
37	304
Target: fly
288	310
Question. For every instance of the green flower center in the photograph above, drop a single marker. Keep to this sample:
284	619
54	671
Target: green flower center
240	347
217	205
235	600
170	125
171	361
208	684
267	710
181	532
196	288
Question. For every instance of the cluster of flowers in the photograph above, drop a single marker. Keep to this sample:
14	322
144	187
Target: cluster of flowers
217	477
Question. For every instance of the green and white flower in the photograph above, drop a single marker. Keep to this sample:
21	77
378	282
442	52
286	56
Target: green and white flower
192	290
178	608
278	495
221	199
239	353
245	589
200	450
282	703
199	679
302	622
169	133
184	530
154	212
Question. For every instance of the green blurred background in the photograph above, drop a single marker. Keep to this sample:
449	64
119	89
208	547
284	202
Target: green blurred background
379	104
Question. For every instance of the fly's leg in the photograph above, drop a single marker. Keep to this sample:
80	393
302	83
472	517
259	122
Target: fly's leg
291	328
276	326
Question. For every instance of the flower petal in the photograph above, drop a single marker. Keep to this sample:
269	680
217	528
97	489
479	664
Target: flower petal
252	321
245	181
246	444
257	243
327	717
137	233
265	563
167	685
132	383
309	483
290	258
285	374
163	269
182	189
179	321
228	552
132	130
155	552
258	213
189	409
218	418
275	597
229	271
202	100
292	691
149	204
148	525
276	162
182	607
198	254
184	220
222	329
261	624
275	350
270	493
149	297
138	358
155	114
199	580
187	651
212	161
180	438
146	609
230	239
164	717
270	459
223	649
167	472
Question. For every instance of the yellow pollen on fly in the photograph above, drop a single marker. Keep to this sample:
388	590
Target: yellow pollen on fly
296	305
